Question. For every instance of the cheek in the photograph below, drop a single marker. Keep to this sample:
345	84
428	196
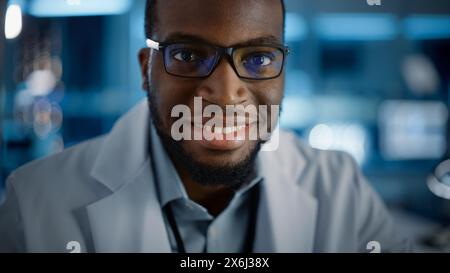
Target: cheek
169	92
269	92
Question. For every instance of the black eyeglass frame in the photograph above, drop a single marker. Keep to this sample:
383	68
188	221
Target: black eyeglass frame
228	52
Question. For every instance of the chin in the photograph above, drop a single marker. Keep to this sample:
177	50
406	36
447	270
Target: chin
219	158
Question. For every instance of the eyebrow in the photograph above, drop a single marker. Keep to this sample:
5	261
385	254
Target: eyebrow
184	37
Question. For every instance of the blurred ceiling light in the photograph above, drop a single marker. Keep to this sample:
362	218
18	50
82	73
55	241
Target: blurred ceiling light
41	82
66	8
420	75
358	27
422	27
13	21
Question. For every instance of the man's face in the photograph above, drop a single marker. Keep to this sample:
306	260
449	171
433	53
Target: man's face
223	23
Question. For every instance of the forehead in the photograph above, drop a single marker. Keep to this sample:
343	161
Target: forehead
222	22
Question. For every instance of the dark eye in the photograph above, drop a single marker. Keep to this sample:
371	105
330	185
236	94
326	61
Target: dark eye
259	59
185	56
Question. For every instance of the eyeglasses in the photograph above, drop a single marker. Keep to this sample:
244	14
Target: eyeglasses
199	60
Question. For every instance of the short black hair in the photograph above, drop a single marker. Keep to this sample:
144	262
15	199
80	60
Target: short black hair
151	18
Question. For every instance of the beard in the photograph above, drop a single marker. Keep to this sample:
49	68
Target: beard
232	175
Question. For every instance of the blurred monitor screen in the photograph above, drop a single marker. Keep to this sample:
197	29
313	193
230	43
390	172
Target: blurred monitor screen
413	130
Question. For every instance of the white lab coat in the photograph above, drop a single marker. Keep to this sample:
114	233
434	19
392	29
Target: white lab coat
100	196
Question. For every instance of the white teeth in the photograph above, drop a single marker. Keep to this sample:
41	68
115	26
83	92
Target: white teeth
218	130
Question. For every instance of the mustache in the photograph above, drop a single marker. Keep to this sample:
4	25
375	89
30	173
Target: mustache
231	176
265	115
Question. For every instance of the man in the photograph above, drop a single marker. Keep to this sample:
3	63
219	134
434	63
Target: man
142	189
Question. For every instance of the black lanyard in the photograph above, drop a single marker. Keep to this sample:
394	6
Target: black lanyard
251	227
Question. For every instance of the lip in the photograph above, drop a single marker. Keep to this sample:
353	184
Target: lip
222	139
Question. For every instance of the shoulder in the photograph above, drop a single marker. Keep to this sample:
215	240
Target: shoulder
292	145
64	173
349	208
293	150
314	169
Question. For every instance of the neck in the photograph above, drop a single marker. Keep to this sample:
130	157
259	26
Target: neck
214	198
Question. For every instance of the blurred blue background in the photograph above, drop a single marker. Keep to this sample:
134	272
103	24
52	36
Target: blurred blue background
370	80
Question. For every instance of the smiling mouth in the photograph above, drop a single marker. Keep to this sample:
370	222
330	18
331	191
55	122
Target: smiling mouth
218	133
220	138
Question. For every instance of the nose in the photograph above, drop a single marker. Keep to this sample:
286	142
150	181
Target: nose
223	87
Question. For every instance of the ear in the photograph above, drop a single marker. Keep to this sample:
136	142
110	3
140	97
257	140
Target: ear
143	57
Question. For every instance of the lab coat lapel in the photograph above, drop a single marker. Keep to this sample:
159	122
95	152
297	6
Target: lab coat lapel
130	218
287	213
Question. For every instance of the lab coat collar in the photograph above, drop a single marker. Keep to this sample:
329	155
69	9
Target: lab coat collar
124	150
130	219
287	212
